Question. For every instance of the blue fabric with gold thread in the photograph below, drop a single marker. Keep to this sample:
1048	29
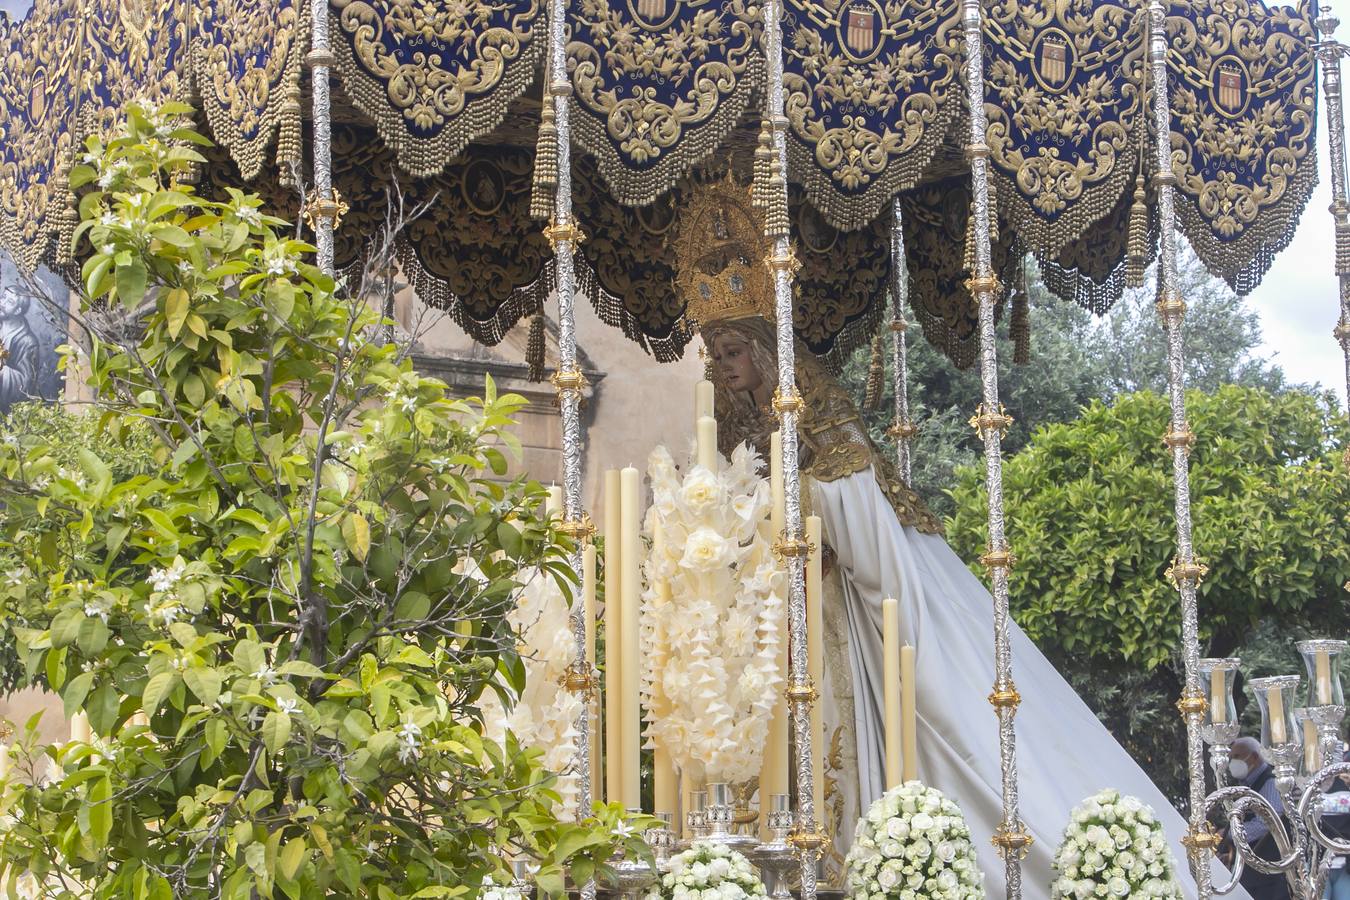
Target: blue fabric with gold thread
661	87
434	76
38	90
657	85
134	51
871	90
246	58
1243	92
1063	92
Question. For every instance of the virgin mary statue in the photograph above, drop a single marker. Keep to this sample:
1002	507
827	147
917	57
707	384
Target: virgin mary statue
882	542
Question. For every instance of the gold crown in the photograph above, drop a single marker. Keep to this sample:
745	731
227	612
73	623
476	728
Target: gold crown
720	249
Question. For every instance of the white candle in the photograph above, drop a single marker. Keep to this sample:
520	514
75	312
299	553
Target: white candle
630	669
707	442
1312	757
554	505
588	565
703	400
909	714
1218	696
778	515
1275	701
1322	663
613	638
890	644
80	732
4	760
815	655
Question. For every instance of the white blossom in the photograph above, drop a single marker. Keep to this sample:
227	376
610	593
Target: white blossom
1113	847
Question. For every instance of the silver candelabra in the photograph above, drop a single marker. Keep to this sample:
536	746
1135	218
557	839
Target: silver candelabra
1303	746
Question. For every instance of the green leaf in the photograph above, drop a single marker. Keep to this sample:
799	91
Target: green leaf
276	731
292	858
100	811
356	532
204	681
176	308
131	277
156	690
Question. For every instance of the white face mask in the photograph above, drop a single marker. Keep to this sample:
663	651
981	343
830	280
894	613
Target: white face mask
1238	768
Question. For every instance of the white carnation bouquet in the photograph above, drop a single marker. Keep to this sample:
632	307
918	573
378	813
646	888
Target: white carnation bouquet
712	616
707	871
1114	847
545	715
912	844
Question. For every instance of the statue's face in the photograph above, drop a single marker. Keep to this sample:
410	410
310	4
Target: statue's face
731	355
13	301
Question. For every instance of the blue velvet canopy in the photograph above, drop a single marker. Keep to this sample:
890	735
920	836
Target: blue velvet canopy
442	100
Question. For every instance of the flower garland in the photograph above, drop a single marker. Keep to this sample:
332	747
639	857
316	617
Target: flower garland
544	716
913	843
707	871
1114	847
712	615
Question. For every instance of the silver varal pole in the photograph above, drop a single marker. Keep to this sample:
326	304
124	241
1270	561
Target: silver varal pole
788	403
1329	54
903	429
323	204
564	234
991	422
1185	571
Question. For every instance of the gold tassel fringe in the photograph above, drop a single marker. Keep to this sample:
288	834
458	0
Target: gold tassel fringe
1342	246
763	172
876	376
534	349
545	162
290	143
1019	328
1136	247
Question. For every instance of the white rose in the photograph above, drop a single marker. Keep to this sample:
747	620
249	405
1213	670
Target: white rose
719	868
700	490
897	829
921	822
945	851
706	551
1119	886
888	878
947	880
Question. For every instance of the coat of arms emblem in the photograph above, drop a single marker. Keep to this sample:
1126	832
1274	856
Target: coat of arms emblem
1229	88
860	29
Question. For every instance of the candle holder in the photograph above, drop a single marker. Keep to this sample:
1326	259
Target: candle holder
522	878
721	817
662	842
1322	658
1220	727
632	876
1281	741
777	857
697	818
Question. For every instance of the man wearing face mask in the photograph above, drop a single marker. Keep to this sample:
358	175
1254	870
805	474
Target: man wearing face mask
1248	768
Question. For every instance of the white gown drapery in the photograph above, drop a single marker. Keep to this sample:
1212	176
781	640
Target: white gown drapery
1064	753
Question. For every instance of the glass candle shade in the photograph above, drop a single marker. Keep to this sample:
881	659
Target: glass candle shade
1323	661
1216	679
1312	746
1276	698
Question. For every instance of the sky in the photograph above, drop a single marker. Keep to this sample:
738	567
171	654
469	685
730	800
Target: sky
1297	300
15	8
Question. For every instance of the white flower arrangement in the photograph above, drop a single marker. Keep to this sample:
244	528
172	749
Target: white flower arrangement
712	616
1114	847
913	844
545	715
707	871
